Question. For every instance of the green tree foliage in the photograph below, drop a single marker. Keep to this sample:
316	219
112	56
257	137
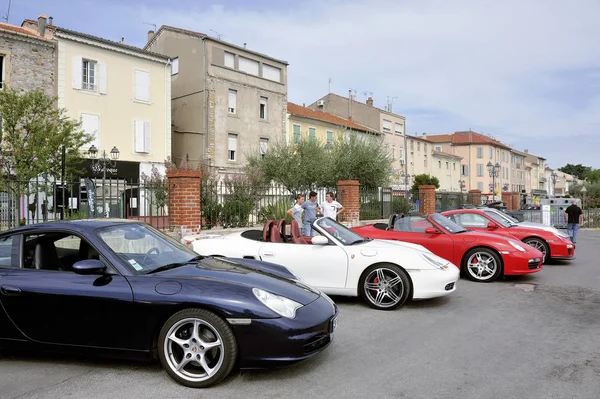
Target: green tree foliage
33	133
579	171
423	180
310	163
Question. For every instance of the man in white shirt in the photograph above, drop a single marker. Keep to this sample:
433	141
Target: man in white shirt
331	208
296	211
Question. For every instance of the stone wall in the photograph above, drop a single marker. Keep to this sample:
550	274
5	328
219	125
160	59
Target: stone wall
29	63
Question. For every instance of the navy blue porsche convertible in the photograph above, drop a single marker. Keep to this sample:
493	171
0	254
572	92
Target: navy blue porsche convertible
116	287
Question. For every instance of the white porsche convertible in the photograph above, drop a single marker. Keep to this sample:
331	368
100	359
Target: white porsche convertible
340	262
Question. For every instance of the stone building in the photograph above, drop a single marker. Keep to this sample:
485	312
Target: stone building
28	58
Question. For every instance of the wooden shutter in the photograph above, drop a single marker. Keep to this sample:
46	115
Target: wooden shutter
77	72
101	78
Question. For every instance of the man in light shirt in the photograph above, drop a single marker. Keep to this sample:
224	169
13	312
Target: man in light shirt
296	211
331	208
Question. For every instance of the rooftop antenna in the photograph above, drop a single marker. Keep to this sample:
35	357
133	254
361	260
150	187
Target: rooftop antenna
367	94
218	34
390	104
148	23
5	17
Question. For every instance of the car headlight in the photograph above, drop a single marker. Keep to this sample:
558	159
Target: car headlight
436	261
516	245
281	305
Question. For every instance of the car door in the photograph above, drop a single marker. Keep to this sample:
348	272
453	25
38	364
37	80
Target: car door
322	266
61	307
412	229
9	260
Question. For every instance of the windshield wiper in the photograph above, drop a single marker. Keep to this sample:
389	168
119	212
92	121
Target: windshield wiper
359	241
175	265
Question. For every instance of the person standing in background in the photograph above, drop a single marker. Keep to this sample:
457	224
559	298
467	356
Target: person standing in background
331	208
574	216
310	213
296	211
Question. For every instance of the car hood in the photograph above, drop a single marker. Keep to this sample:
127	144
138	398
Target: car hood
250	273
534	225
393	244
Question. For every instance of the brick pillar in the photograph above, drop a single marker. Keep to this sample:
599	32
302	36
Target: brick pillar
184	200
507	199
516	203
348	194
475	197
426	200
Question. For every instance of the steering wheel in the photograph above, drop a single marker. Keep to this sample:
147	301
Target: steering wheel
153	249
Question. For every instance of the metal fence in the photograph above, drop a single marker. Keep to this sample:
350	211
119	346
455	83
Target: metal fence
42	200
556	218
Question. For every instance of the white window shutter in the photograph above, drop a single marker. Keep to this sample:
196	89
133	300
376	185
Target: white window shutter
102	78
138	136
142	86
147	136
77	72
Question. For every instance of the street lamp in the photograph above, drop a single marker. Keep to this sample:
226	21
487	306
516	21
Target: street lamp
104	162
494	171
553	177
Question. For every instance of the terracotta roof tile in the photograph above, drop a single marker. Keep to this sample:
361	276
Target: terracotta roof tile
309	113
440	138
21	30
466	137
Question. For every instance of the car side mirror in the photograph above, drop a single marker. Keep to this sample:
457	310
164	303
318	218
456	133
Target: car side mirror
320	240
89	266
492	226
431	230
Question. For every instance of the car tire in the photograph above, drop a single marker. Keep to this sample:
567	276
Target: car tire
203	342
540	245
385	286
477	261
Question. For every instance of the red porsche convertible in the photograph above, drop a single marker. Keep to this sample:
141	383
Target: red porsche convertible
552	245
482	256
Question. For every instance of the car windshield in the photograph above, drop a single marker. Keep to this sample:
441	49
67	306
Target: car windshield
503	215
499	219
143	248
339	231
447	224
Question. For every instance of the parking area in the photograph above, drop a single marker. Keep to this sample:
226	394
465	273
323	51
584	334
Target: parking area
536	336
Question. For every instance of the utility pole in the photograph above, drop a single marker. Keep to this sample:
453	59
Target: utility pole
329	85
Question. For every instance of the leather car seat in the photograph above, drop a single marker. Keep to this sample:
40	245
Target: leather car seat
45	256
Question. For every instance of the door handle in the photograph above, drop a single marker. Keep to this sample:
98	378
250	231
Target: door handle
268	254
10	290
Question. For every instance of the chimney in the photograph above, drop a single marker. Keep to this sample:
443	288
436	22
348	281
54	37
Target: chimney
42	24
424	134
122	40
150	35
370	101
527	151
50	19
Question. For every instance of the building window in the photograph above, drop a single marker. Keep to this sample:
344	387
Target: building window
425	147
418	146
175	66
88	75
447	165
492	153
90	124
464	170
329	137
232	101
425	161
412	145
393	153
2	71
312	133
401	154
249	66
229	60
479	152
438	148
453	165
398	128
231	147
479	170
142	85
264	146
262	112
271	73
141	137
387	126
480	186
440	164
296	134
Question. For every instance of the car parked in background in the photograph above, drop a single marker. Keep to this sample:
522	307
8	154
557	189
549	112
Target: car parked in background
481	256
340	262
121	287
553	244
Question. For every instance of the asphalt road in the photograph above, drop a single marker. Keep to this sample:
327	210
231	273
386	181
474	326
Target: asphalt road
529	337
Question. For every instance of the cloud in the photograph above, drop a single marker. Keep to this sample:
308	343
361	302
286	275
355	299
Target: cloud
525	71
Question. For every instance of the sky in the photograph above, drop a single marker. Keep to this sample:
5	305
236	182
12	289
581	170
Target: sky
526	72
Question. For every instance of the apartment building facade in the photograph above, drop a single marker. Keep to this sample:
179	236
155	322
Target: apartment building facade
308	124
228	101
391	125
538	182
27	58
